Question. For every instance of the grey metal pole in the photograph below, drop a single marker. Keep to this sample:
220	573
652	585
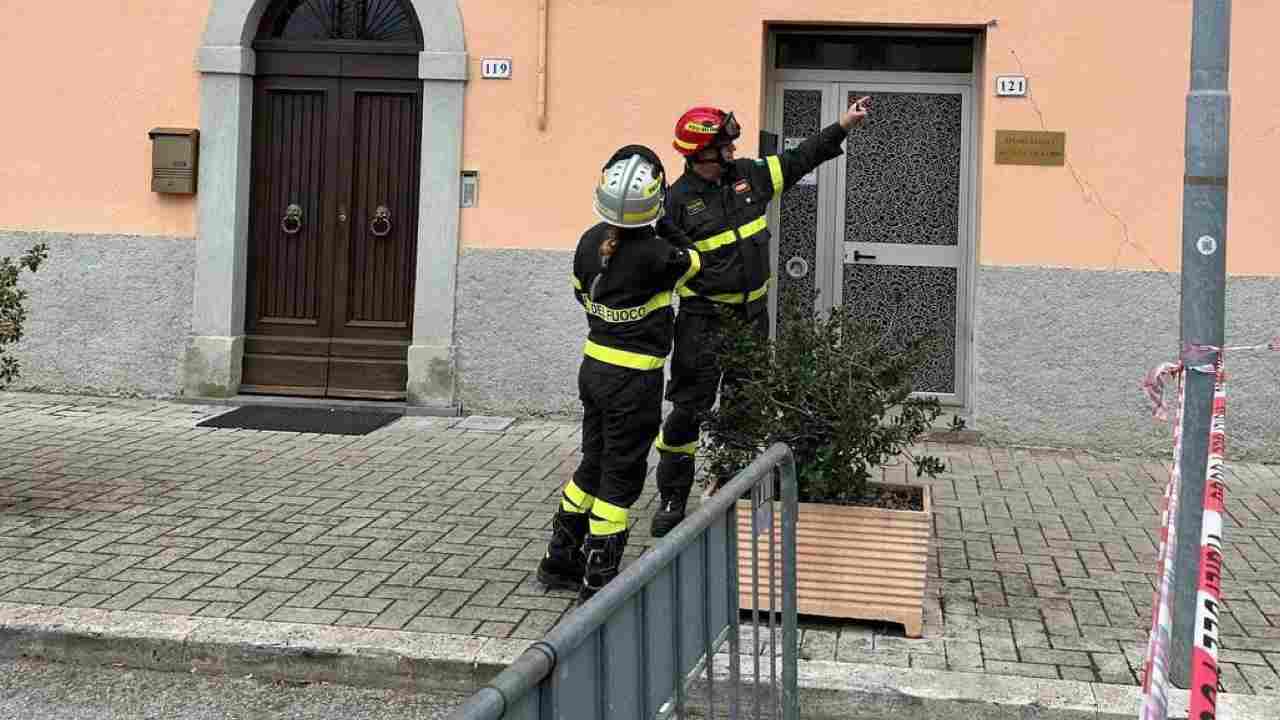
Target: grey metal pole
1204	253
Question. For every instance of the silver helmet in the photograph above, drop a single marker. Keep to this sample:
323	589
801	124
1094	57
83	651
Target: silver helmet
631	192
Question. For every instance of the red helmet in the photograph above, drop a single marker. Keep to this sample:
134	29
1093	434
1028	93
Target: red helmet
704	127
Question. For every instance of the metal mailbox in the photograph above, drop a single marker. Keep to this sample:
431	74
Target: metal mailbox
174	158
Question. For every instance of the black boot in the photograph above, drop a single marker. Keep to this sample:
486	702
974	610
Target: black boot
564	564
604	555
675	480
670	513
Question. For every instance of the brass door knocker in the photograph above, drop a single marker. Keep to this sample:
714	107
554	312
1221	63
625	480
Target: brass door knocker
380	225
292	221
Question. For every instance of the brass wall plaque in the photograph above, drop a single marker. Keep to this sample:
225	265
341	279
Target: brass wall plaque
1030	147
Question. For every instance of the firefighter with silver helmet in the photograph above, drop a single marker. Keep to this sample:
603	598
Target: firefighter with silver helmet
625	276
720	203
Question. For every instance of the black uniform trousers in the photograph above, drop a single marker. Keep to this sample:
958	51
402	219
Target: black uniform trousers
696	377
622	411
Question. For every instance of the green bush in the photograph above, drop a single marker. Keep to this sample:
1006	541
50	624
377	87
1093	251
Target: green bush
13	311
833	388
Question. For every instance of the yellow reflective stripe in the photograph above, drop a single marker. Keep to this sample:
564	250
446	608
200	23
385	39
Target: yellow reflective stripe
686	449
753	227
728	237
642	217
577	284
731	298
632	314
775	173
760	291
574	499
685	145
695	265
623	358
607	518
708	244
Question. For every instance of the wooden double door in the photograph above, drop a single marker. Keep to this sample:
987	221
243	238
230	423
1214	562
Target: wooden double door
333	236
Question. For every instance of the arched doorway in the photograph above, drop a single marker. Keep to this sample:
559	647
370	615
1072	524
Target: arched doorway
333	199
229	69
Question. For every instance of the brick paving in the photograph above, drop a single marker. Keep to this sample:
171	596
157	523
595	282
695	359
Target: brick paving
1042	566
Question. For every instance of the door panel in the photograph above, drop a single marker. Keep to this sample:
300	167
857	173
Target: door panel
288	305
902	222
374	268
906	302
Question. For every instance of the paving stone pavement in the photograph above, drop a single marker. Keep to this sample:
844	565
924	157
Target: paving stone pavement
1042	567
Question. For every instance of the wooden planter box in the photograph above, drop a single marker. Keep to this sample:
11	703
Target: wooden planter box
851	562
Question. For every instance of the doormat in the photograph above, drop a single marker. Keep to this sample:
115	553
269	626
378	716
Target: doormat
324	421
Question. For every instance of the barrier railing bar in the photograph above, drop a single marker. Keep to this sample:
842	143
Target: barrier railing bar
735	626
774	703
790	617
676	615
646	711
707	650
755	597
602	672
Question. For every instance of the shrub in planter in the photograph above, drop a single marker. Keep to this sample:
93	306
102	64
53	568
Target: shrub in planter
833	388
838	391
13	311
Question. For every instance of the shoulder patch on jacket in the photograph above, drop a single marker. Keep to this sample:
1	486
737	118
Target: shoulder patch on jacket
695	206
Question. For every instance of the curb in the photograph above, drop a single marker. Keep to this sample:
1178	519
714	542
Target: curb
360	657
462	664
830	690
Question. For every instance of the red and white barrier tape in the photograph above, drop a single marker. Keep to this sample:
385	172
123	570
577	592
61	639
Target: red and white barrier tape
1205	678
1153	384
1155	671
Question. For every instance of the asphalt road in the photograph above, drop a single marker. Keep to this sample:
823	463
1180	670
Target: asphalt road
38	690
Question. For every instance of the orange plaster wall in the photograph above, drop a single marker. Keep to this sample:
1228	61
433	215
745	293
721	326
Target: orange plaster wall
1113	76
84	85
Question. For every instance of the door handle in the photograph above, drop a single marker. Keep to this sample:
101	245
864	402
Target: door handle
291	223
380	225
859	256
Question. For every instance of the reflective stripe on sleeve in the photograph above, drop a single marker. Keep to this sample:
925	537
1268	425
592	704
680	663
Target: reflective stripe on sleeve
775	173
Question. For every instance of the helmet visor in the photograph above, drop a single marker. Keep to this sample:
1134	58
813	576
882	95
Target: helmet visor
730	131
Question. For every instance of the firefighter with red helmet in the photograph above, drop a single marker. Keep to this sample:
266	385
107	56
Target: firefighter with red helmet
720	203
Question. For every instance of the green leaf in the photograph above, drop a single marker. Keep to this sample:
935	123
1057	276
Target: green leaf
13	311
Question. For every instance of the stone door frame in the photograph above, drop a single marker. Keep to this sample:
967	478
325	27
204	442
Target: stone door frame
226	61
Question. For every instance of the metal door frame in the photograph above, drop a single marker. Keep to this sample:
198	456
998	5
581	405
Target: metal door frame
830	253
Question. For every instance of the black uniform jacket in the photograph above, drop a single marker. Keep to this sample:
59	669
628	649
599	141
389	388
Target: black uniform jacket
728	225
629	313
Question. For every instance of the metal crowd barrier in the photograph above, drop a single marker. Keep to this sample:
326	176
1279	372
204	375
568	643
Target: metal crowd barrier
647	645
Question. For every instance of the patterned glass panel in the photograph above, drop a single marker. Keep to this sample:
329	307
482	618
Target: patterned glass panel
798	212
903	182
907	302
377	20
